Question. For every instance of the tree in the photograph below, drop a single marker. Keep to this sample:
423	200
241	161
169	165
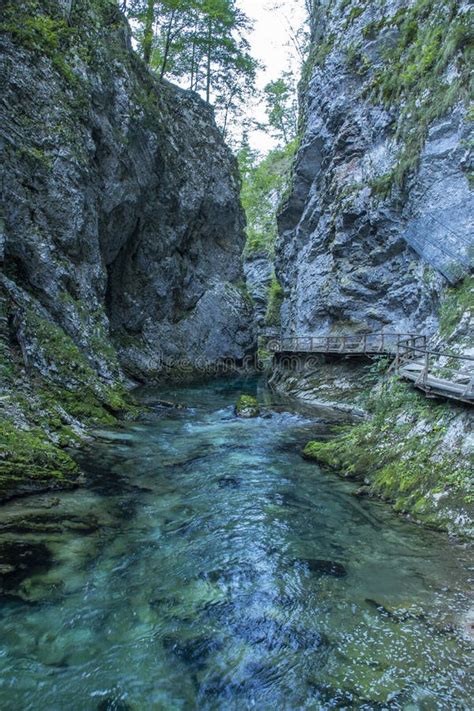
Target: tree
148	30
282	107
199	44
264	182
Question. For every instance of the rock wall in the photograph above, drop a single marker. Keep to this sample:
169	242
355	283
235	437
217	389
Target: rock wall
377	234
122	228
379	220
119	194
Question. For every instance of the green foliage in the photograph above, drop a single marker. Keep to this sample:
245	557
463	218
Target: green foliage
199	43
263	186
412	78
357	60
275	300
355	12
457	301
317	56
282	108
381	186
372	29
344	4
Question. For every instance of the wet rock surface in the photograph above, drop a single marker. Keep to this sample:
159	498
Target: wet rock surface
20	560
247	407
325	567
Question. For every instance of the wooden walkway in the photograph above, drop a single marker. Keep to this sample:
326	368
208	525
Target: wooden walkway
412	359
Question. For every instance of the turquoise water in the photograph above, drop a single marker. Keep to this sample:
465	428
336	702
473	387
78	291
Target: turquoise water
206	565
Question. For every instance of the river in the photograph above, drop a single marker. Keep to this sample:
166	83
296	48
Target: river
206	565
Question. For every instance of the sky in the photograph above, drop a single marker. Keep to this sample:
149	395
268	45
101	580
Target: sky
270	43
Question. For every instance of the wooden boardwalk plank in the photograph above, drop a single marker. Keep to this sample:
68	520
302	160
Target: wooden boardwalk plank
412	358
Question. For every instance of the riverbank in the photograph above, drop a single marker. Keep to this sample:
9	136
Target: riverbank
411	451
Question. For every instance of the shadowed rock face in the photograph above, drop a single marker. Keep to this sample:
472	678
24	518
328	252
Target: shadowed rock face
349	250
122	213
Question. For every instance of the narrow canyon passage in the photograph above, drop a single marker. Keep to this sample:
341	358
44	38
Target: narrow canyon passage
209	566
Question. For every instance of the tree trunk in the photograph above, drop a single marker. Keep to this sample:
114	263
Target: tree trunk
167	45
193	60
148	32
209	52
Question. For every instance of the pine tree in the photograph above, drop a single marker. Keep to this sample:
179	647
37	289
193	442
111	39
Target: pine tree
199	44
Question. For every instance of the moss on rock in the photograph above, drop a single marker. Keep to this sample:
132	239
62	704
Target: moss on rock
402	455
275	300
431	37
247	406
29	462
50	395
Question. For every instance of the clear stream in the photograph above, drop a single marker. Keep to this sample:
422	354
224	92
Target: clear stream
208	566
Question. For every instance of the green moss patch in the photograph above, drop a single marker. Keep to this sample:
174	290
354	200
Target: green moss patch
81	392
50	395
431	37
29	462
275	300
247	406
412	471
457	301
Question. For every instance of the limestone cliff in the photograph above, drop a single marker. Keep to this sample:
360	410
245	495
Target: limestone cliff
377	234
121	233
379	220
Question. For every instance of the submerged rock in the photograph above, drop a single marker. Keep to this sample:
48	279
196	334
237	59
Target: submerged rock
324	567
273	635
228	482
111	703
247	406
193	652
20	560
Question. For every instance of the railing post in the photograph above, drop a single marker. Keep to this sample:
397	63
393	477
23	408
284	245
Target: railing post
427	365
382	343
327	344
364	347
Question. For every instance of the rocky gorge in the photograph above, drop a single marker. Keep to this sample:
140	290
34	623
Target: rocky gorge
122	235
178	530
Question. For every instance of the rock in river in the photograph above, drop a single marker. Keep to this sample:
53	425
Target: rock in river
247	406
